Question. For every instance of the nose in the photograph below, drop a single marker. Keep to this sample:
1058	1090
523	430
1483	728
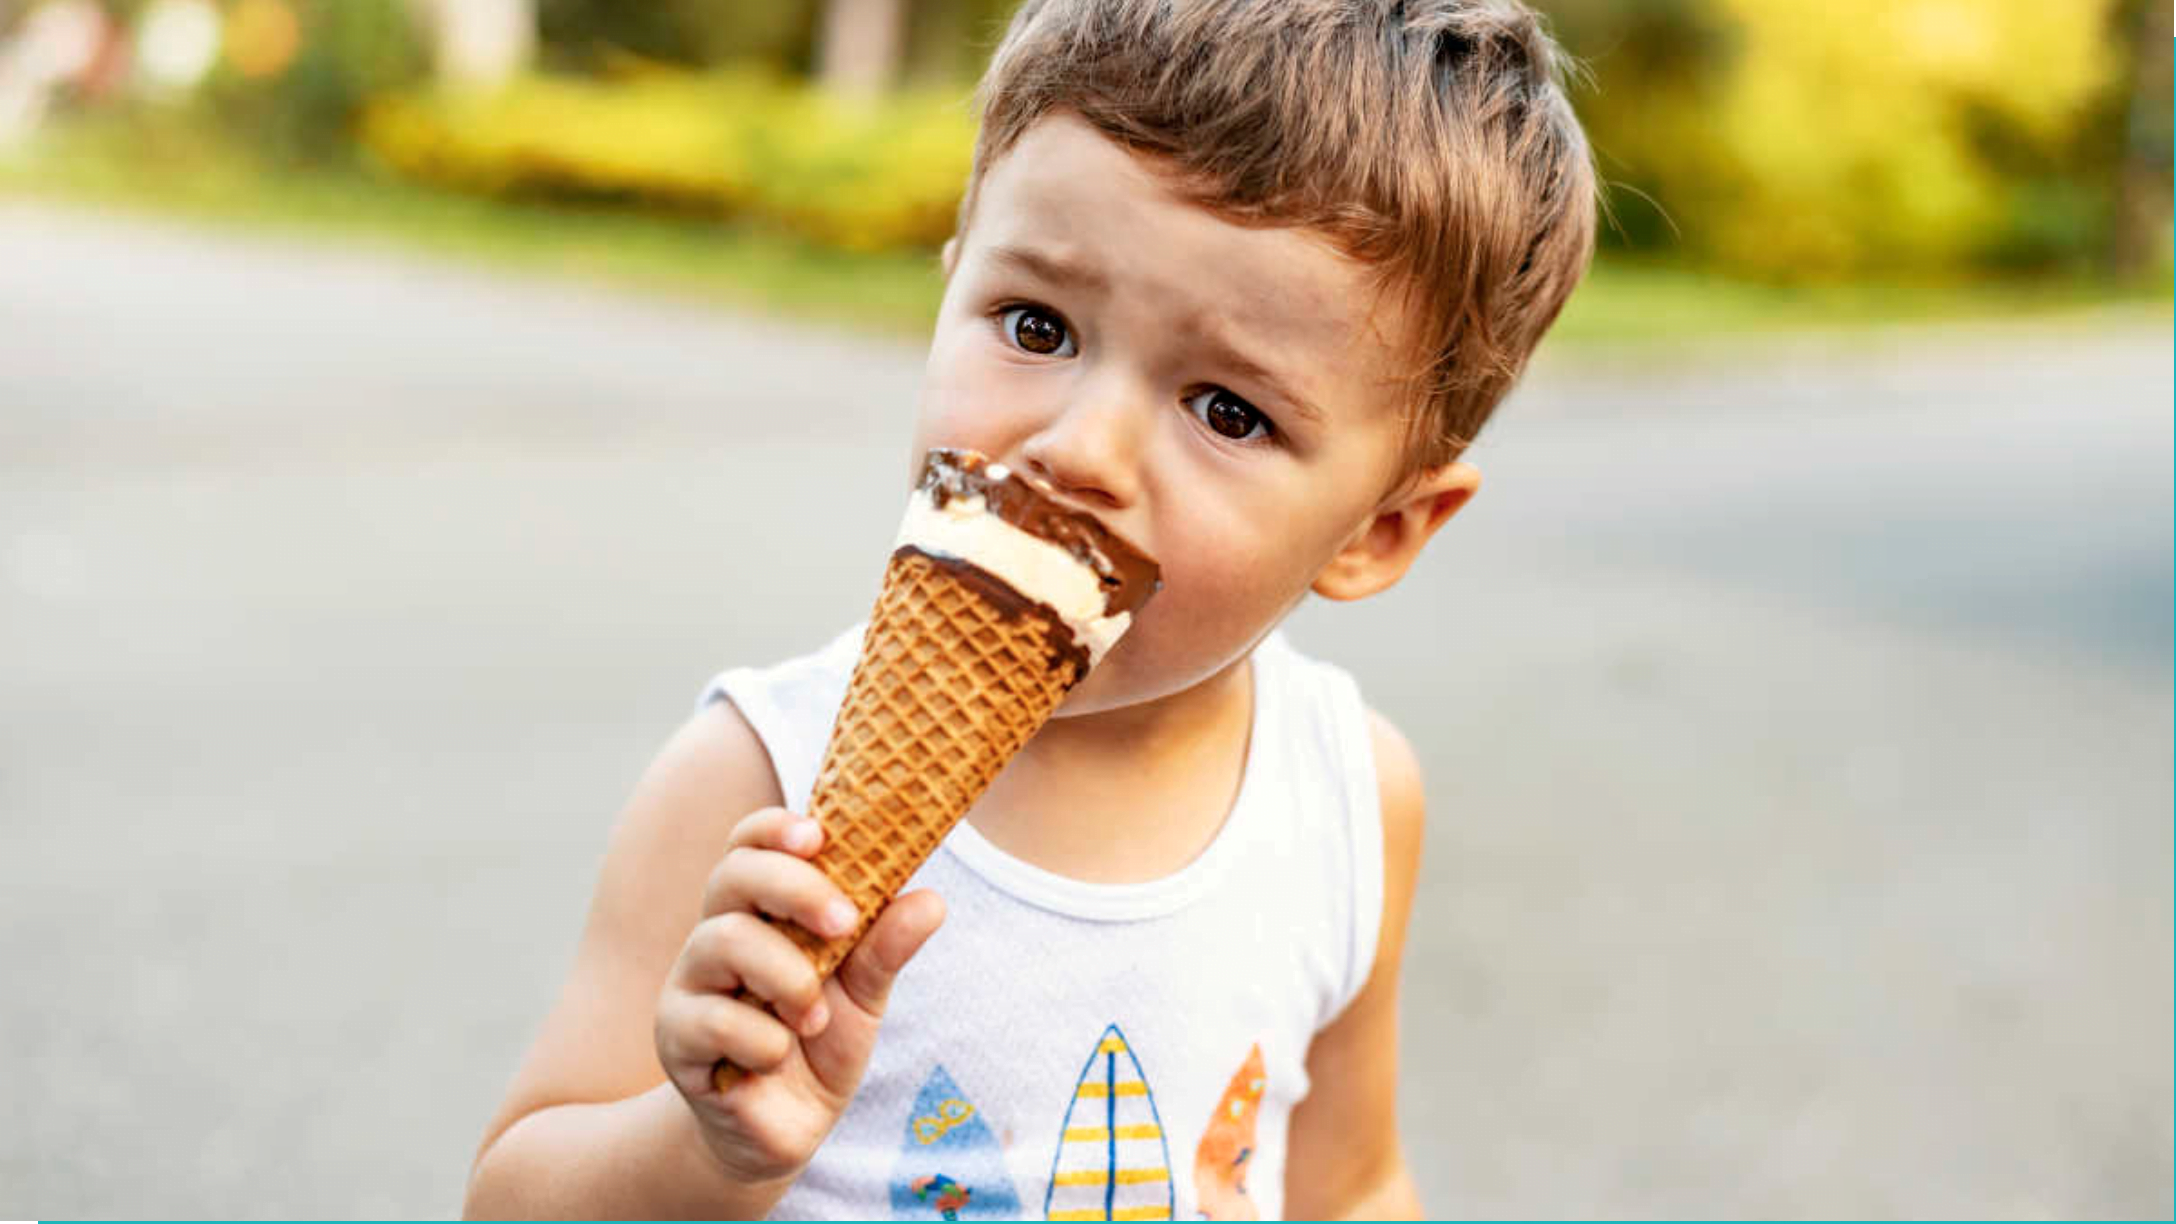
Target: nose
1090	449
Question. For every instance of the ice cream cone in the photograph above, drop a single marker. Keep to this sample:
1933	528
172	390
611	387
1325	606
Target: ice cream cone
996	602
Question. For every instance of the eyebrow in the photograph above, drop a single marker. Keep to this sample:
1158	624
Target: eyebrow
1058	270
1251	370
1053	268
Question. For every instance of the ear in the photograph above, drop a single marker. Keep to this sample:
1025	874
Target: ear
1384	547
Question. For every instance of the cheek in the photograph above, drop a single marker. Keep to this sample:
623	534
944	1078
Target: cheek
1221	585
1225	576
967	397
1240	540
1215	602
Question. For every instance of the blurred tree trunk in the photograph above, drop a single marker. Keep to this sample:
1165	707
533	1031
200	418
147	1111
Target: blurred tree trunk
859	46
936	42
478	44
2142	182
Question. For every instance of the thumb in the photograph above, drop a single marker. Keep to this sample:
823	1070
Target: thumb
857	993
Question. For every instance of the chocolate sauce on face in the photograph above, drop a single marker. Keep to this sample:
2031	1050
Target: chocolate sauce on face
1126	574
1065	650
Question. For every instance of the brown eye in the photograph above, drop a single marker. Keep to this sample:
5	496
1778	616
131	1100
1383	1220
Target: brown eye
1036	331
1229	416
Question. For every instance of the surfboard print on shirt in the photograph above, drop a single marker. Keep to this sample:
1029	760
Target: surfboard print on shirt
1112	1162
950	1166
1227	1146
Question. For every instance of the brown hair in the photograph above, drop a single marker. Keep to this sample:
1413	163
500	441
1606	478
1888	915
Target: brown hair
1428	139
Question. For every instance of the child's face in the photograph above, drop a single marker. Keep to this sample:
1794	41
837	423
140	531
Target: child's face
1157	365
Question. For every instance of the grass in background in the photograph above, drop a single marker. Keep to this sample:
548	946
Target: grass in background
167	166
1628	302
174	169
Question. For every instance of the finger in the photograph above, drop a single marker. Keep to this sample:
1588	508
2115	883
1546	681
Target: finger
783	887
776	828
857	993
893	939
740	950
696	1031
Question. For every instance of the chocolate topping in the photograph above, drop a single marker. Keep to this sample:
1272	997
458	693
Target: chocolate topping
1065	649
1127	575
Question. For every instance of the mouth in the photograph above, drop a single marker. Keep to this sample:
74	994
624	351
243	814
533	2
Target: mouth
998	469
1126	575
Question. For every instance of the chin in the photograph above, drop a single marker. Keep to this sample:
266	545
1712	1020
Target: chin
1102	690
1110	686
1133	673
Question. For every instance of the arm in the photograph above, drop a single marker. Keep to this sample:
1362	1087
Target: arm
1343	1158
639	1158
590	1127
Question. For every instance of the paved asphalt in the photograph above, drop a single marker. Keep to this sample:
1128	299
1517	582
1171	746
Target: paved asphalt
1797	718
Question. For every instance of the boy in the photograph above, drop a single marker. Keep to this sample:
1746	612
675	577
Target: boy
1243	278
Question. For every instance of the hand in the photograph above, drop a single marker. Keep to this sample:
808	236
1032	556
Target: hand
799	1078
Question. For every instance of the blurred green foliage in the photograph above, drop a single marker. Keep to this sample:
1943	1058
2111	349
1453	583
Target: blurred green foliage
1794	140
591	35
946	41
743	142
350	52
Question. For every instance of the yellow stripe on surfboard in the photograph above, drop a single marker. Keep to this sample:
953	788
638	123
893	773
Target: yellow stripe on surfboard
1097	1134
1113	1044
1098	1177
1124	1088
1158	1212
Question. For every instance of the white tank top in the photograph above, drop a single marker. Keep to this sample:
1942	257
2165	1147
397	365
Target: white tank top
1074	1051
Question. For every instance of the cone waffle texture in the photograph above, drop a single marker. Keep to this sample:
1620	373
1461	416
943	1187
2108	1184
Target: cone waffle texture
948	687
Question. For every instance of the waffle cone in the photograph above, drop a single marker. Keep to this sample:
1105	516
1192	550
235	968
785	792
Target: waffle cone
948	687
953	679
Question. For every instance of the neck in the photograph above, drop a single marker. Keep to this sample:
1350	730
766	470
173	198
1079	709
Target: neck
1149	733
1125	794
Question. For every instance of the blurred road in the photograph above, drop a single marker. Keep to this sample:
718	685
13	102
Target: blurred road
1797	719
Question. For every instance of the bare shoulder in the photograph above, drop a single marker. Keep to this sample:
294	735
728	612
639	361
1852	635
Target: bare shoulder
713	771
596	1043
1343	1156
1398	782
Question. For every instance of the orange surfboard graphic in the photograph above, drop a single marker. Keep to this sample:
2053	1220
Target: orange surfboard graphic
1227	1146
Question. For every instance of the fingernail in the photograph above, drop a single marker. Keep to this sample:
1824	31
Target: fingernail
839	917
818	1016
803	835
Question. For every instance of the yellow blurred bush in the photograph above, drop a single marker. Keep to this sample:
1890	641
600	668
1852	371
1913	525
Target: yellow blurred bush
1860	136
748	143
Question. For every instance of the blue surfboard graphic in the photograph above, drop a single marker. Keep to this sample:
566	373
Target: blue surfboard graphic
950	1166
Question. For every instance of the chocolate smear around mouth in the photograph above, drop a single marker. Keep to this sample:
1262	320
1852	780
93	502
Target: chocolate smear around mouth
1125	574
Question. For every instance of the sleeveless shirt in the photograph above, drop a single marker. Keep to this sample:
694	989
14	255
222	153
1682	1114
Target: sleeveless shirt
1069	1050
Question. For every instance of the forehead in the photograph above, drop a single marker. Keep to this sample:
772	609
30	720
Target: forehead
1283	295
